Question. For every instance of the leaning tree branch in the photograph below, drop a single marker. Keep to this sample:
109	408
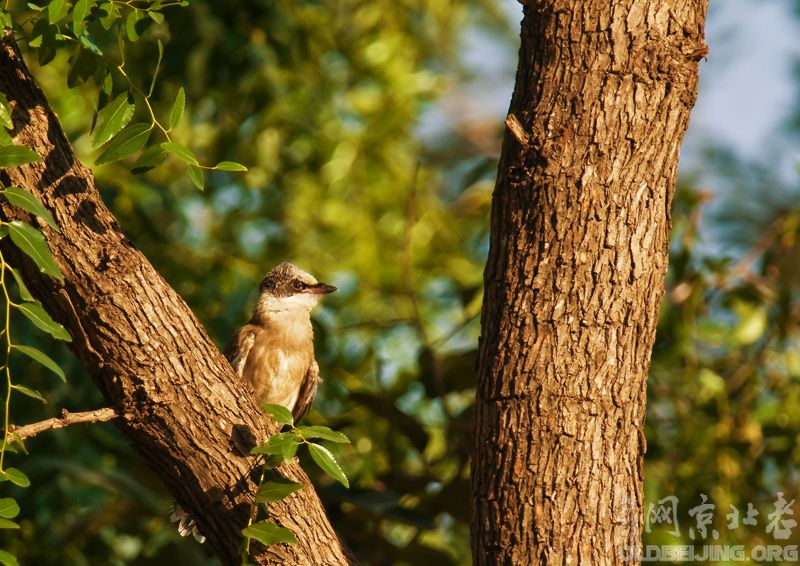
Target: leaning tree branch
180	405
65	419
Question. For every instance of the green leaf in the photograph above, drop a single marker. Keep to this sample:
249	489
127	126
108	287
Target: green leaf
284	444
269	533
158	67
56	10
29	392
150	158
196	175
112	15
181	152
8	559
15	476
130	25
88	42
177	108
6	524
8	508
24	294
112	118
276	490
5	115
128	141
324	433
229	166
79	11
26	201
17	443
157	17
5	138
36	313
279	413
42	358
325	460
14	155
29	240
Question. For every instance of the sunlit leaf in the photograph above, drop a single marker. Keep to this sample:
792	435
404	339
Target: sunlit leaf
275	490
325	460
32	393
158	67
323	432
27	201
181	152
197	177
8	508
6	558
112	15
24	294
5	115
15	155
42	358
79	11
56	10
283	444
128	141
112	118
7	524
15	476
36	313
177	108
280	413
229	166
130	25
29	240
269	533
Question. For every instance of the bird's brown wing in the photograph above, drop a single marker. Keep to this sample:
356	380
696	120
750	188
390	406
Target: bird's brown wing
239	348
308	391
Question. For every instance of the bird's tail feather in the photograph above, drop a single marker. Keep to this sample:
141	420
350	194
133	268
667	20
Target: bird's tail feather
186	525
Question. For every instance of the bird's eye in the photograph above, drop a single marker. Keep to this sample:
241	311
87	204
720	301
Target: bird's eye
298	285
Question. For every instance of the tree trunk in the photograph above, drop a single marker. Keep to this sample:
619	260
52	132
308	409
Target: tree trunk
575	276
181	405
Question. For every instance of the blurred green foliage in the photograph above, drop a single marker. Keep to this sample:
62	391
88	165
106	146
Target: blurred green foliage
324	102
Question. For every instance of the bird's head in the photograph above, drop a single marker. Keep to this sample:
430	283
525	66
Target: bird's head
288	288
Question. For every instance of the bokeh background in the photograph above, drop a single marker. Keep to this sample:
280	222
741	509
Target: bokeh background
372	132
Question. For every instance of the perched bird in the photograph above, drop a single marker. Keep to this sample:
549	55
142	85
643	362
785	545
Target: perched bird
274	351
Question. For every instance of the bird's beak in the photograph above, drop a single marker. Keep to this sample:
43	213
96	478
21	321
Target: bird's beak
321	289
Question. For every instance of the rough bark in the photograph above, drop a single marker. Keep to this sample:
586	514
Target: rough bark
180	404
575	276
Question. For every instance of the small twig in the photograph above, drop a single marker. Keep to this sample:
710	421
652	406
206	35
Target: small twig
66	419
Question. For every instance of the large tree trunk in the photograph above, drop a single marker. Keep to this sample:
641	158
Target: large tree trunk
182	407
575	276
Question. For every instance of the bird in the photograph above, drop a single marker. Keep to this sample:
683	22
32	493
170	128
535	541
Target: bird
274	351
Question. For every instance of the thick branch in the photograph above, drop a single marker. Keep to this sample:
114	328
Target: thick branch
66	419
181	406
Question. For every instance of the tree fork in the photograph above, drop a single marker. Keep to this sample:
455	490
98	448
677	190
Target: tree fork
179	402
575	276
